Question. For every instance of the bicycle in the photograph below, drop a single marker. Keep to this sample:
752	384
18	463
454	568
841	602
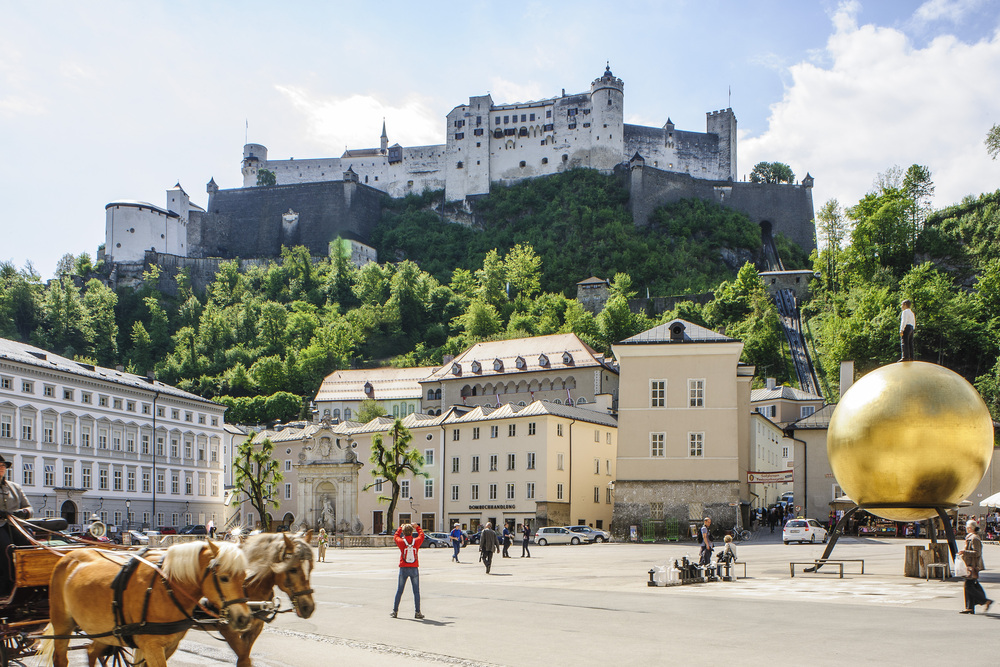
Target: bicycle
741	534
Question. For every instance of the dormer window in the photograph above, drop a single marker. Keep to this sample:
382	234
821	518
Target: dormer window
520	363
477	367
456	369
497	365
567	358
369	389
543	361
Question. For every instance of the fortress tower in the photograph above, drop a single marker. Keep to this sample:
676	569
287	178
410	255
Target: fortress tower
723	123
607	130
254	157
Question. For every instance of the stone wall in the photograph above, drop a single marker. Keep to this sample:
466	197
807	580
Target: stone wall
686	501
788	209
249	222
551	514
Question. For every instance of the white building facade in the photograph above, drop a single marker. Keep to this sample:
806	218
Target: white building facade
84	440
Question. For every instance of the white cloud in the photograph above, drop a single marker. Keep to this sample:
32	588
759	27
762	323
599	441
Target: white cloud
880	101
355	121
952	10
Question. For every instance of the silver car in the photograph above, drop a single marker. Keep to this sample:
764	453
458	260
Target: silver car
557	535
592	534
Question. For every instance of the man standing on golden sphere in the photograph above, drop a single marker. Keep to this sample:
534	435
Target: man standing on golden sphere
907	323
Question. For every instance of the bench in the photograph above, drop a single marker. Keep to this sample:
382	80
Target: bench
943	568
839	564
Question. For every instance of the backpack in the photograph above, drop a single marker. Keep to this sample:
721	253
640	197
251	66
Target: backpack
409	553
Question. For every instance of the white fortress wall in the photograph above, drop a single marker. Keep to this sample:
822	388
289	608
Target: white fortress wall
133	227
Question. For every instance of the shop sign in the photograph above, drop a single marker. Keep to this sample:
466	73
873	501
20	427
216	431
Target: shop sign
771	477
493	507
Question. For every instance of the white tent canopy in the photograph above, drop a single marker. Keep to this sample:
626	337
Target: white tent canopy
992	501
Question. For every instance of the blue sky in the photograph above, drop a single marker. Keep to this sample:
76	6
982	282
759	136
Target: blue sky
119	100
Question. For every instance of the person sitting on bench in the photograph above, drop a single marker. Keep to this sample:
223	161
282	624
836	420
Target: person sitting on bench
727	556
14	503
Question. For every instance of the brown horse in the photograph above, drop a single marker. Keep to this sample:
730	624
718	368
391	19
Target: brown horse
275	559
81	596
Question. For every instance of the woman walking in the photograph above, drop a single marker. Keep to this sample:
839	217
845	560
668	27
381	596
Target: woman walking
322	545
972	556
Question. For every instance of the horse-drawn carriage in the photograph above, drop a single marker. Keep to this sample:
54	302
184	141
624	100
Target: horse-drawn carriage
126	597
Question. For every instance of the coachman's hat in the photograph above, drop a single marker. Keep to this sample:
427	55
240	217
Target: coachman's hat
3	460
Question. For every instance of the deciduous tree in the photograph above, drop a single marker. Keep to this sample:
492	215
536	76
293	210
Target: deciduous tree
256	476
392	462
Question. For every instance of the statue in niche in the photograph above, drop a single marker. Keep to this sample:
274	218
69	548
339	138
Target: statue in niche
329	516
325	448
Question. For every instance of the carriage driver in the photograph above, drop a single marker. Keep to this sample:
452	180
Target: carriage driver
12	502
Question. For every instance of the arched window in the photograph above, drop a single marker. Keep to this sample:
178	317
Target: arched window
437	396
395	411
581	400
347	414
336	413
430	394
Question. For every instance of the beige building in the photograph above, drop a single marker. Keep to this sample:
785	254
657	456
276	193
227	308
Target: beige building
684	424
770	456
560	369
547	463
782	404
396	389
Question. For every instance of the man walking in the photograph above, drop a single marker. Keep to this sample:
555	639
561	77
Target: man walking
506	540
488	544
706	543
409	566
526	533
456	541
907	323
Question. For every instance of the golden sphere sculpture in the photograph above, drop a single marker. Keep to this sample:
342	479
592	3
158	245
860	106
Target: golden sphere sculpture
910	433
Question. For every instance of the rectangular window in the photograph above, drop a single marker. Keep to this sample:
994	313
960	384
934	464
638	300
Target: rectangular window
4	383
475	433
806	410
696	444
116	441
67	435
130	406
378	485
784	452
531	460
529	490
102	401
102	479
49	475
454	464
175	414
161	483
559	491
189	487
657	444
145	482
511	458
455	434
475	464
118	404
597	494
187	416
609	437
494	462
559	461
657	393
102	439
511	430
175	484
48	390
67	394
116	477
145	443
474	492
607	497
145	408
510	490
428	457
159	445
130	443
428	488
86	476
174	451
48	431
597	435
531	428
85	437
86	398
597	466
27	426
559	430
288	491
454	491
404	489
6	426
201	419
494	431
188	449
28	473
493	491
696	393
130	482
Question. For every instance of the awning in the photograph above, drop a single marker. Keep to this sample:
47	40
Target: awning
843	502
992	501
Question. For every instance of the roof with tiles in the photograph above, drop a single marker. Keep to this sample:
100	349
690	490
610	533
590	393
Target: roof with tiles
788	393
521	355
817	420
669	332
387	384
33	356
533	409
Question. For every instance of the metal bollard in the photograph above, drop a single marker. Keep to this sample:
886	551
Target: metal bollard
650	582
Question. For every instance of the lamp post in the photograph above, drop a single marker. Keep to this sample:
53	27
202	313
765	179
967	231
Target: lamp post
128	513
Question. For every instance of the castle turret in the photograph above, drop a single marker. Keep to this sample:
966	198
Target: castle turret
385	139
723	123
607	98
211	188
254	159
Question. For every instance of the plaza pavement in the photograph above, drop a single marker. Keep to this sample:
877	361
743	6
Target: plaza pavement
590	605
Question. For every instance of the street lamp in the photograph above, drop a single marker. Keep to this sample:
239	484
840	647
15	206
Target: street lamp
128	513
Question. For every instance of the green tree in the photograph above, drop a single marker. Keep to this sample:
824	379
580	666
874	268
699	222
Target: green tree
99	302
257	476
523	269
84	265
370	409
141	355
266	177
918	188
66	325
392	462
21	298
772	172
481	320
993	141
492	280
832	228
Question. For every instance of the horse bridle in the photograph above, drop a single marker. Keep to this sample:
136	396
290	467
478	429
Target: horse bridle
213	569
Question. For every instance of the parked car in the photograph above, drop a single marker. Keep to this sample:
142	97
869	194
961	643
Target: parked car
803	530
167	530
193	529
137	537
437	540
592	534
556	535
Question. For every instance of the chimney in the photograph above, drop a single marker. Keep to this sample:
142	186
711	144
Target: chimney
447	359
846	376
771	384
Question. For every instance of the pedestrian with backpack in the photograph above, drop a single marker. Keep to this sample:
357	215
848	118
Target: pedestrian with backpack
408	538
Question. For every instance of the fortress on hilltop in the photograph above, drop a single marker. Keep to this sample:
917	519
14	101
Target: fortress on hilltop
487	143
318	200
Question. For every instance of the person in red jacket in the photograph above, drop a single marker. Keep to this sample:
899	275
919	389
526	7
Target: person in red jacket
408	538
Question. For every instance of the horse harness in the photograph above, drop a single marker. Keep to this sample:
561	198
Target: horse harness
126	631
